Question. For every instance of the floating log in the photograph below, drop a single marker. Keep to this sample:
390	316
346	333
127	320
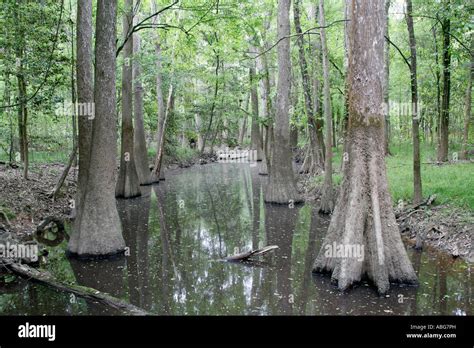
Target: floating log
250	254
80	291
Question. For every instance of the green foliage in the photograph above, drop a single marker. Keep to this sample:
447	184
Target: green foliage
198	37
34	35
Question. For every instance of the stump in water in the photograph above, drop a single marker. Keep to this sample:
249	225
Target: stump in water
51	225
363	219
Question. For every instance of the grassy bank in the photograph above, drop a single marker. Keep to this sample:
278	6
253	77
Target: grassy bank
452	183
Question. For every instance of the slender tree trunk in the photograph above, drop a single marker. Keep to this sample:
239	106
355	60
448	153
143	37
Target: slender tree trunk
140	149
268	110
243	128
128	184
255	181
315	160
6	101
345	120
386	91
62	178
213	106
281	182
467	103
318	114
443	146
417	190
160	99
438	87
22	110
197	121
255	127
22	97
308	102
262	64
98	232
25	136
363	218
225	130
243	131
327	199
156	173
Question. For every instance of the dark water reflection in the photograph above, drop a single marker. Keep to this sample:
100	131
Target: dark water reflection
179	229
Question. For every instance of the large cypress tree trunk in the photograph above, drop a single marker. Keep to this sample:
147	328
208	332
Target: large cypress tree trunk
128	185
281	181
363	216
140	150
417	191
98	231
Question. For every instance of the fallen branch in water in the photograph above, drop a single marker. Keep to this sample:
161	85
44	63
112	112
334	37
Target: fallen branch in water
81	291
249	254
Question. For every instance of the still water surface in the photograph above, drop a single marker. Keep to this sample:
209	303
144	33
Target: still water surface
177	232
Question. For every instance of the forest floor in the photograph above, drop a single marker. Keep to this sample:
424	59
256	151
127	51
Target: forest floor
25	203
444	225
